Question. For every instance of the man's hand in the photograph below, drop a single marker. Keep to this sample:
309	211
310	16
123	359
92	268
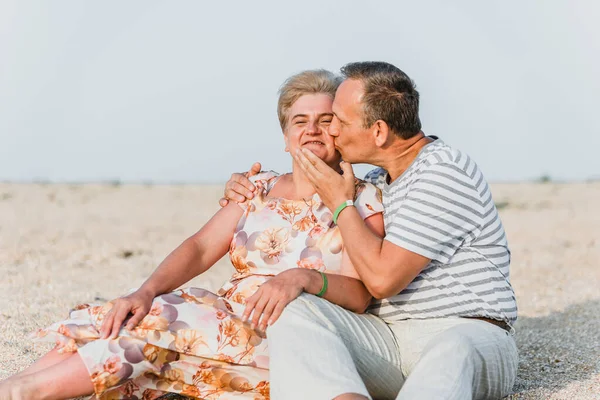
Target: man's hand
333	188
272	296
239	188
137	303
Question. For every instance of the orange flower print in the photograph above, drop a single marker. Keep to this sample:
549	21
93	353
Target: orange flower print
113	364
129	388
103	380
69	347
150	323
316	231
204	376
151	394
190	390
289	208
81	307
221	314
224	357
174	375
271	204
238	298
156	309
63	330
264	389
237	255
311	263
229	328
151	352
303	224
189	341
272	242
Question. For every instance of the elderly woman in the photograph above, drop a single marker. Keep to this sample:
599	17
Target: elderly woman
161	339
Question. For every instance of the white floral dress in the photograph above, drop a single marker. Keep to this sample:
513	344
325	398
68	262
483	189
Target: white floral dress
193	342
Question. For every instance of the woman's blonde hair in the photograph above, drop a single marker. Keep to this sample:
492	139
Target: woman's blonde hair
306	82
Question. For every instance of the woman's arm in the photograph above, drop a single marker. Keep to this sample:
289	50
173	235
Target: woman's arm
345	289
191	258
197	253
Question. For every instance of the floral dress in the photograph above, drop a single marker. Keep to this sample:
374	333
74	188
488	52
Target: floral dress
194	342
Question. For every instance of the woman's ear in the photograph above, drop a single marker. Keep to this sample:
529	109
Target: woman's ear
287	144
381	133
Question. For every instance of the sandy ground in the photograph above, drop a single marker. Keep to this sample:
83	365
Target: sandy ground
61	245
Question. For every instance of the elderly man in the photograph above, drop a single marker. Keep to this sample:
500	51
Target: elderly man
441	324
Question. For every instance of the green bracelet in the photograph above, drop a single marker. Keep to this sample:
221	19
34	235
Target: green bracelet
324	288
341	207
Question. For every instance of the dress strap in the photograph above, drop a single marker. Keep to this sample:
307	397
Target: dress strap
273	182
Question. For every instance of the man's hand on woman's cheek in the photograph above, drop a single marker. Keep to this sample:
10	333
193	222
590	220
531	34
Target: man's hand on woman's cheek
333	188
239	188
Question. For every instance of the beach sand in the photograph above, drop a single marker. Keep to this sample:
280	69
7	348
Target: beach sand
61	245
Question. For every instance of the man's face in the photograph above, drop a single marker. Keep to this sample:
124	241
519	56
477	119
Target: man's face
352	140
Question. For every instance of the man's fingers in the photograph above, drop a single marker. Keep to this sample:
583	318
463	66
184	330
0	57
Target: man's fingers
250	303
348	171
238	192
304	162
258	310
223	202
313	163
268	311
256	168
241	179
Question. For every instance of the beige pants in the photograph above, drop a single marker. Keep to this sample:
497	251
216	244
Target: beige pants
319	350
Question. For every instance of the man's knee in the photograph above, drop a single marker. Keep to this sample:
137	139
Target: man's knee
454	345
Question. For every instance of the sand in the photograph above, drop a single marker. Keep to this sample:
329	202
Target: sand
61	245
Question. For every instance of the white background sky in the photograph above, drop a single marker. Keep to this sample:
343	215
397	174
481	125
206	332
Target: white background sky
186	91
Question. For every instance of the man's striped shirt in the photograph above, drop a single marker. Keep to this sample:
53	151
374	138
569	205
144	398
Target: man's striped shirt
441	207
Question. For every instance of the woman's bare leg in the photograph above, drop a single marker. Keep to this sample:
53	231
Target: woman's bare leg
69	378
47	360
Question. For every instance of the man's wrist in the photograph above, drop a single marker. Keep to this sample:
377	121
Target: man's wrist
311	281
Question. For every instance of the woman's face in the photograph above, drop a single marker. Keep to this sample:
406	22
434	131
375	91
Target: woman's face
307	127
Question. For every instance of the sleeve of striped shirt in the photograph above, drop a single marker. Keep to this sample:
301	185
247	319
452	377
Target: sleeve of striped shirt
441	210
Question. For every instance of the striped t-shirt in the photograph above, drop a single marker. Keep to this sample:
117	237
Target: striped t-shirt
441	207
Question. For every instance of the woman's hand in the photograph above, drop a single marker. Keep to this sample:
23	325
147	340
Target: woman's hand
137	303
272	296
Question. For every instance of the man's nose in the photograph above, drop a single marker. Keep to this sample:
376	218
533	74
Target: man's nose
334	127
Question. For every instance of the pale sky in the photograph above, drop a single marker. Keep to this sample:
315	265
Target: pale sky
186	91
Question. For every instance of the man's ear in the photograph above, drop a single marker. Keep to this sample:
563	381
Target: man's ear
381	133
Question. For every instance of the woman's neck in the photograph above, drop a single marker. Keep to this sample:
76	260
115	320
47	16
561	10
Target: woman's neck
295	185
300	186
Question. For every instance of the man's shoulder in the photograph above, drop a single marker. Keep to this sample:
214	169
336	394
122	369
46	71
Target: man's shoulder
376	177
443	157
